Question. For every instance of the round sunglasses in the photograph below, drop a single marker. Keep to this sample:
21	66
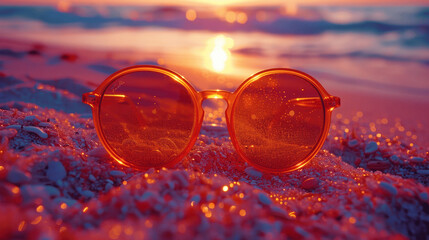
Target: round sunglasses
148	116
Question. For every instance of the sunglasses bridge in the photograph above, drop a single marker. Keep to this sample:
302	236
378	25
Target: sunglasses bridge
215	94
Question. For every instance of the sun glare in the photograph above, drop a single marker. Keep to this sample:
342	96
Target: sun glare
220	53
191	15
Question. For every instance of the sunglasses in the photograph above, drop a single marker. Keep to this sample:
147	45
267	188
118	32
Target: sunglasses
148	116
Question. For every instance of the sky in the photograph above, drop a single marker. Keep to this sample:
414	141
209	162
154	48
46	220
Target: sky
219	2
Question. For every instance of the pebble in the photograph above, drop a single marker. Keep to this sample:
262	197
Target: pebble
424	196
302	232
388	188
30	192
98	152
36	130
263	226
17	176
9	133
108	187
92	178
251	171
371	147
394	159
31	118
353	143
210	197
423	171
264	199
56	171
279	212
52	191
310	184
88	194
44	124
117	173
70	202
17	127
417	159
181	177
196	199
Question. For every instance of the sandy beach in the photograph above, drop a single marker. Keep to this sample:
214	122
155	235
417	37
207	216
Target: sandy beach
369	181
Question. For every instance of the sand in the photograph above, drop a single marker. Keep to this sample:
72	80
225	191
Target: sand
370	180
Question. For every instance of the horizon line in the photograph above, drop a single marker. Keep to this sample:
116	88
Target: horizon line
219	3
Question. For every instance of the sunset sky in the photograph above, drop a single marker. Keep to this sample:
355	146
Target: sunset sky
218	2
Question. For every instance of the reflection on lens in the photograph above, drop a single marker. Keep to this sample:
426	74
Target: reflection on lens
278	119
147	118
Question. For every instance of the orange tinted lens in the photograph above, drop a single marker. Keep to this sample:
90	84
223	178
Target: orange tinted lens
147	118
278	120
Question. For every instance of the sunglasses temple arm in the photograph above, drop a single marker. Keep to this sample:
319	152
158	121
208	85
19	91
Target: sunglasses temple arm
94	99
330	102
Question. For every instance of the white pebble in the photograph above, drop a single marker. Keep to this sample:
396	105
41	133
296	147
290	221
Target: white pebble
251	171
389	188
371	147
264	199
17	127
17	176
56	171
117	173
36	130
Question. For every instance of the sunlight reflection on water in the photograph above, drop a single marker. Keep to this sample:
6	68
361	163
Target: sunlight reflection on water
220	51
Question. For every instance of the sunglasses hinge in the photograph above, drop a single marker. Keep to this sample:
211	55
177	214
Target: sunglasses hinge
90	98
332	102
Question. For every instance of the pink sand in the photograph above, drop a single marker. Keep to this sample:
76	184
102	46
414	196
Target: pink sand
370	180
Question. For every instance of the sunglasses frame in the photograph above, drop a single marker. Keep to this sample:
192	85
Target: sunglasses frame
94	99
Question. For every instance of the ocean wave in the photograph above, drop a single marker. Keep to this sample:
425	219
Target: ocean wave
320	20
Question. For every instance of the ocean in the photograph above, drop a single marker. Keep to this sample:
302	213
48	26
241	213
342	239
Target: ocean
383	49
